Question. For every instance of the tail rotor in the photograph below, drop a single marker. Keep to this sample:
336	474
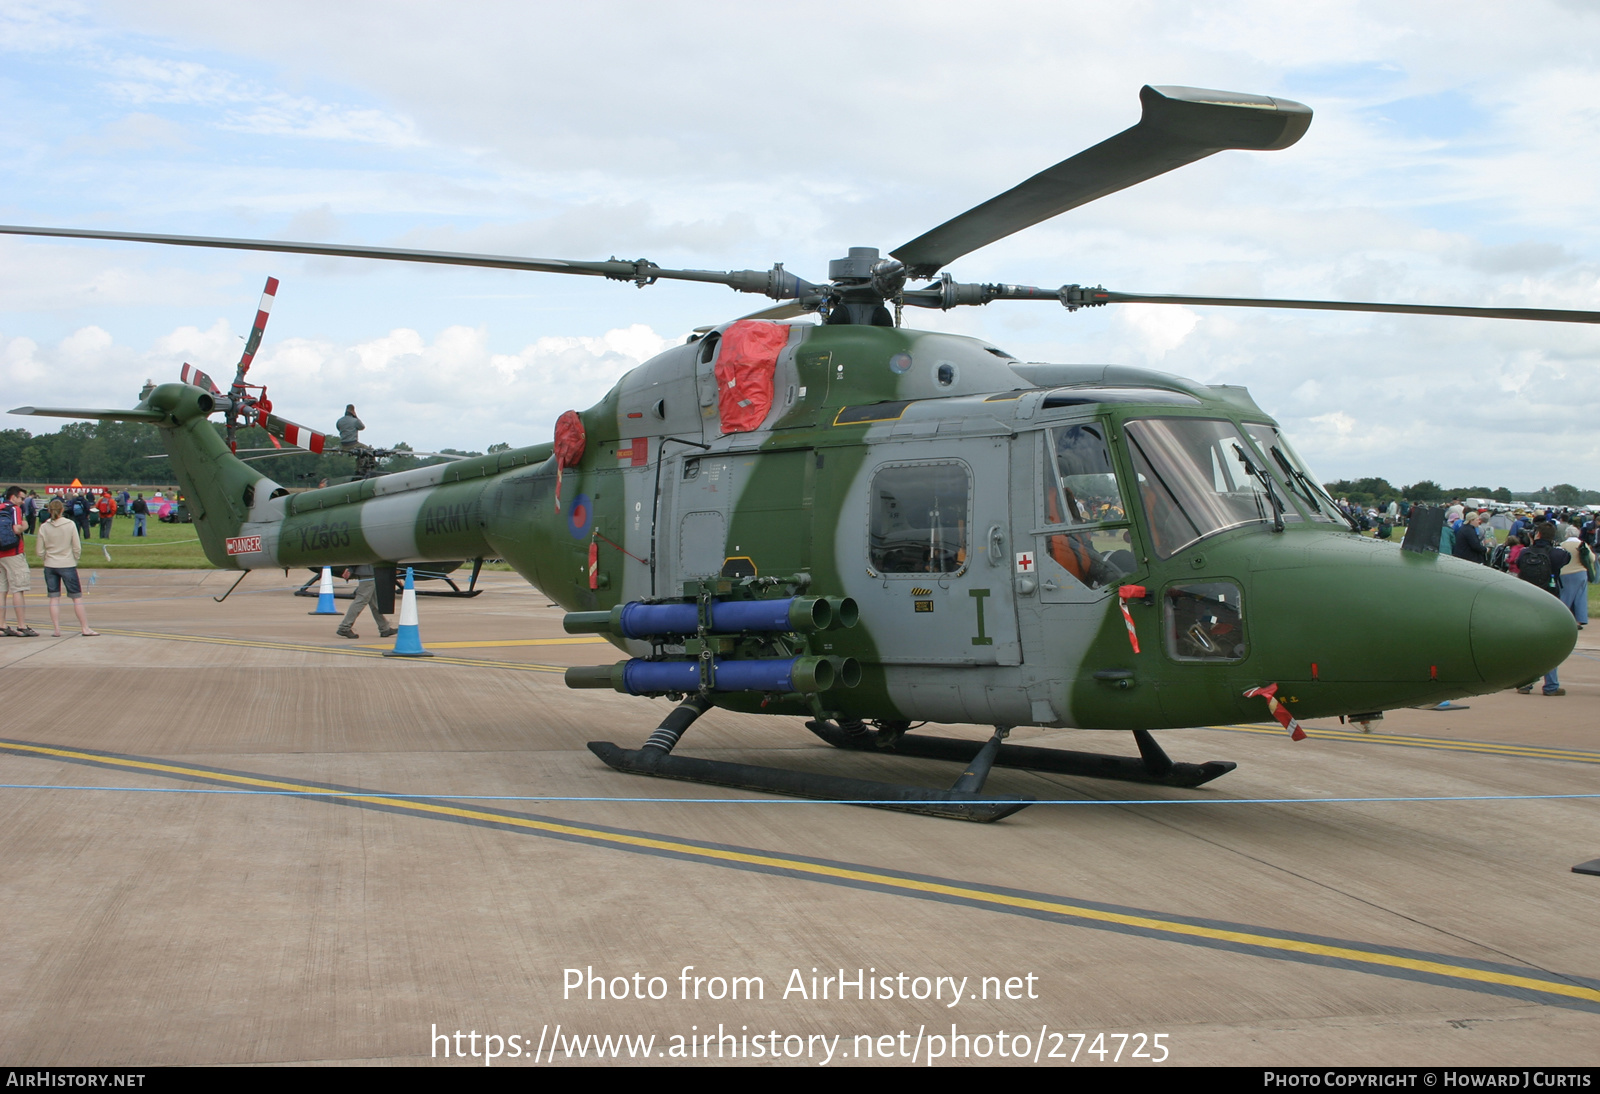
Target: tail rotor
246	404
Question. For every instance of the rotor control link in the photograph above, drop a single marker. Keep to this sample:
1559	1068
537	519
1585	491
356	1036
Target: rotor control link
777	283
950	293
1073	297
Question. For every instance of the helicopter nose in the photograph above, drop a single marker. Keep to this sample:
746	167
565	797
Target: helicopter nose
1519	632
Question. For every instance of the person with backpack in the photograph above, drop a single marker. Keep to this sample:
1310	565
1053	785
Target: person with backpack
1541	565
107	508
15	578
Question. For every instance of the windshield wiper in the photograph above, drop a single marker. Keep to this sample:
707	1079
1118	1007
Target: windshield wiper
1312	489
1260	474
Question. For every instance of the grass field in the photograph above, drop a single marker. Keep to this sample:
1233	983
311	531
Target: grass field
166	547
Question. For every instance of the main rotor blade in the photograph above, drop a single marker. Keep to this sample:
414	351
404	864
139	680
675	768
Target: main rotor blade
776	282
947	294
1548	315
1179	125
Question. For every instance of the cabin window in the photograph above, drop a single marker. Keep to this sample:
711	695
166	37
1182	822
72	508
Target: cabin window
1194	480
919	518
1205	622
1081	491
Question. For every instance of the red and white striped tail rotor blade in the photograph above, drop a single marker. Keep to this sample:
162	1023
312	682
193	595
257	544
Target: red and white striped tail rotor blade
192	375
297	435
253	343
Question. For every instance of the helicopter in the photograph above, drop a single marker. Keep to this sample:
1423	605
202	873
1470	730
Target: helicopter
870	527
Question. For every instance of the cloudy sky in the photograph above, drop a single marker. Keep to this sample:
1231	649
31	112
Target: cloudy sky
1454	158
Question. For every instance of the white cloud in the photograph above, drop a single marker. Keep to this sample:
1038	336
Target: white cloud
1156	329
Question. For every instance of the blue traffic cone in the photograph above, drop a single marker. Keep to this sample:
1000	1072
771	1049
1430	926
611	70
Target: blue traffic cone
408	643
325	595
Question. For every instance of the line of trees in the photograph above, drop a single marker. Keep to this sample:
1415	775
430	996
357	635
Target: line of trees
1381	492
133	454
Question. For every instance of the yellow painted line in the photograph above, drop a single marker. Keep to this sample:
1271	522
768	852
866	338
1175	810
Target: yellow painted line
343	651
842	873
581	640
1489	747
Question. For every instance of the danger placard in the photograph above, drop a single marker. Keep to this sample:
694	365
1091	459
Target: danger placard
244	545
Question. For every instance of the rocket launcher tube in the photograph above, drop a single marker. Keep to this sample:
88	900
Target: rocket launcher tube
640	677
795	613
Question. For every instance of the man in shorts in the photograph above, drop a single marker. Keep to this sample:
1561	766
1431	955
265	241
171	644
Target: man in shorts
15	578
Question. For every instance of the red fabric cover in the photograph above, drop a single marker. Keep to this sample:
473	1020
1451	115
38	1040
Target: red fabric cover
570	439
746	361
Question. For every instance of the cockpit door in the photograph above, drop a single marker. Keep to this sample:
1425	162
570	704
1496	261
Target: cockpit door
1079	529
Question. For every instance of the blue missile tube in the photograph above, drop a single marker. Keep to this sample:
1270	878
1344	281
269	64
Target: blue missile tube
785	676
795	613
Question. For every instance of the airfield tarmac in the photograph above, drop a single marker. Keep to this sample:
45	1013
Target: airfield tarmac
181	886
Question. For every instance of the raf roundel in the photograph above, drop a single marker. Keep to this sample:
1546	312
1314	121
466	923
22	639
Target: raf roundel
580	516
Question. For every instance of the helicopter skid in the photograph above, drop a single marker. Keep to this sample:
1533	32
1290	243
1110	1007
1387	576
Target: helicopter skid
955	804
1151	766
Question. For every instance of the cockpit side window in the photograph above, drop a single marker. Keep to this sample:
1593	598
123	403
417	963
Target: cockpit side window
919	518
1205	622
1081	492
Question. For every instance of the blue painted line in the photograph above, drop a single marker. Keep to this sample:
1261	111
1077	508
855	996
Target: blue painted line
795	801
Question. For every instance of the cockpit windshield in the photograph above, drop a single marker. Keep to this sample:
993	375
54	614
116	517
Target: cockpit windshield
1293	470
1195	477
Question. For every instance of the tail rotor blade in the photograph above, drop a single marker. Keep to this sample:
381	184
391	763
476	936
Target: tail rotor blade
192	375
297	435
253	343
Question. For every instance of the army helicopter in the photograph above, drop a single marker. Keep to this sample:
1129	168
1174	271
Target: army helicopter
869	526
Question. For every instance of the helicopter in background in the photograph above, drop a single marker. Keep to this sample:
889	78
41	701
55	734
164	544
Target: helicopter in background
869	526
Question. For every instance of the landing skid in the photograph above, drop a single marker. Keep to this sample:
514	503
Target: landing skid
963	801
1151	766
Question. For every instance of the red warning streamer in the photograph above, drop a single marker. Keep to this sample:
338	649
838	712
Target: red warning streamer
1126	593
1279	711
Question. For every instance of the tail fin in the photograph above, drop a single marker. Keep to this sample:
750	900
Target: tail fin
140	415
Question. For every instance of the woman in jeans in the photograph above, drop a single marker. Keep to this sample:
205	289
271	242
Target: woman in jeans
58	548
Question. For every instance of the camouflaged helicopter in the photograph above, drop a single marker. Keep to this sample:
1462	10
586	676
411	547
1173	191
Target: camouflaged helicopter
869	526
